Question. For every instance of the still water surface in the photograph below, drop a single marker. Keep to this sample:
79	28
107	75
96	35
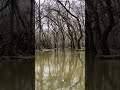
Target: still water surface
60	70
17	74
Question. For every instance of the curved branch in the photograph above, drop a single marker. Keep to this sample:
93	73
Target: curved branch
5	6
66	9
73	16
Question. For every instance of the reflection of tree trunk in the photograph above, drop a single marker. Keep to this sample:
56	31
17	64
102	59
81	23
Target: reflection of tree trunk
104	76
41	71
90	53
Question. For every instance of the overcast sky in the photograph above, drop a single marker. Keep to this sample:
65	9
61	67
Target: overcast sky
60	0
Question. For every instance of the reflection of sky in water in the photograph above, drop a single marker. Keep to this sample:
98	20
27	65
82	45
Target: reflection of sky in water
60	71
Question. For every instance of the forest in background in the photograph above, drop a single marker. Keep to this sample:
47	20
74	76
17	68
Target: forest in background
102	24
102	44
17	34
56	24
59	24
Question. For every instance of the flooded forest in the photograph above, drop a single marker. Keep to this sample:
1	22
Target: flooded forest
102	23
17	41
60	45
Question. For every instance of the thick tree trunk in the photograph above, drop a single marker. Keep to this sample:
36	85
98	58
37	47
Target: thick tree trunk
89	41
104	38
11	46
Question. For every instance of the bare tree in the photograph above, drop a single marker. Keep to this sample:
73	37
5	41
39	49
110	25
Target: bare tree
60	23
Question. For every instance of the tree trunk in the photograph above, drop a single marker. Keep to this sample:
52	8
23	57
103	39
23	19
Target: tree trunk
11	46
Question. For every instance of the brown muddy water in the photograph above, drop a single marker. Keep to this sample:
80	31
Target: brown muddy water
60	70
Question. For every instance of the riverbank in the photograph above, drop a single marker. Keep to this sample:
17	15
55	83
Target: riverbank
47	50
11	58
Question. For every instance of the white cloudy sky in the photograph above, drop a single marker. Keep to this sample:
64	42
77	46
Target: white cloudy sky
60	0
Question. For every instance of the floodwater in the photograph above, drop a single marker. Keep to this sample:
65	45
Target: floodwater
102	74
17	74
60	70
107	75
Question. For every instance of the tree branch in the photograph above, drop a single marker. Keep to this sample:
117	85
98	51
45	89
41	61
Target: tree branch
66	9
5	6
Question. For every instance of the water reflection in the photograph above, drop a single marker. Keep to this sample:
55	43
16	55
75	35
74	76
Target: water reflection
107	75
60	70
17	75
102	74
